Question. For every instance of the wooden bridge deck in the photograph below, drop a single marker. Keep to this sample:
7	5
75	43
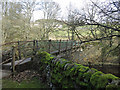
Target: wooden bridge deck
23	61
54	48
6	67
19	62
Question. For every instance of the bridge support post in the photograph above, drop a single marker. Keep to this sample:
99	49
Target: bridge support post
66	47
34	47
19	51
13	60
49	46
59	46
75	46
71	44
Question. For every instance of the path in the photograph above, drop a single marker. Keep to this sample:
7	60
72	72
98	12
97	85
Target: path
4	73
6	67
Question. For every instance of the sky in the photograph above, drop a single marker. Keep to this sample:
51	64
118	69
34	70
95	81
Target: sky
64	4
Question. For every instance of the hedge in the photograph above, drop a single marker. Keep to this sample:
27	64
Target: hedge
66	74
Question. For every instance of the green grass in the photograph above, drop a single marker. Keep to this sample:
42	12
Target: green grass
34	83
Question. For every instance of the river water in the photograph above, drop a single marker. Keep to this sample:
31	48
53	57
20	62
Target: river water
106	68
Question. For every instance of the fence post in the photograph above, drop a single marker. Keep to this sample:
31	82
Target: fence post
75	46
34	47
79	44
13	60
66	45
49	46
71	44
75	43
19	51
59	46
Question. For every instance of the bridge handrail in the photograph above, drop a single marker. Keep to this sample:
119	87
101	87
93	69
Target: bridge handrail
35	46
8	43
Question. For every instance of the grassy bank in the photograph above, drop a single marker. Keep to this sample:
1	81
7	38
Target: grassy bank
33	83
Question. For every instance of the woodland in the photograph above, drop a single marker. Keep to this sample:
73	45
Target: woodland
96	27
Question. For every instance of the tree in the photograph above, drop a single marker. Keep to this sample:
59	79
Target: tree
51	10
73	18
103	22
110	16
11	20
16	20
28	9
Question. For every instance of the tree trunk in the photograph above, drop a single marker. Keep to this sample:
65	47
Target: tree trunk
119	48
68	34
73	29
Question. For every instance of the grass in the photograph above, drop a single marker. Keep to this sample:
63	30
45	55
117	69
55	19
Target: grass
34	83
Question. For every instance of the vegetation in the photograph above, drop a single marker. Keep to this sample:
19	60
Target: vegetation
96	26
66	74
95	23
34	83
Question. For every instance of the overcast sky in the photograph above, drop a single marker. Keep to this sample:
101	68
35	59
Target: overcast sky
64	4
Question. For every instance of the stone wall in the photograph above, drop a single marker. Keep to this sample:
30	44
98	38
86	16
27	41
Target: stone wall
65	74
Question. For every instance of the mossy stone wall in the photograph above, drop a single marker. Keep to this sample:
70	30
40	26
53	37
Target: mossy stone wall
65	74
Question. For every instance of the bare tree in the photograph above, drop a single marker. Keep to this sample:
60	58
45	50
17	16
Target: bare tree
103	22
16	20
11	20
28	8
51	10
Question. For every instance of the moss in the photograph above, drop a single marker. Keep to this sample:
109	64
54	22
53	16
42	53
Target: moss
64	81
43	53
94	69
105	79
112	87
68	86
55	71
63	63
67	83
44	56
88	74
70	66
94	78
77	68
63	73
72	69
41	68
53	81
83	84
77	65
58	77
100	80
68	72
83	69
